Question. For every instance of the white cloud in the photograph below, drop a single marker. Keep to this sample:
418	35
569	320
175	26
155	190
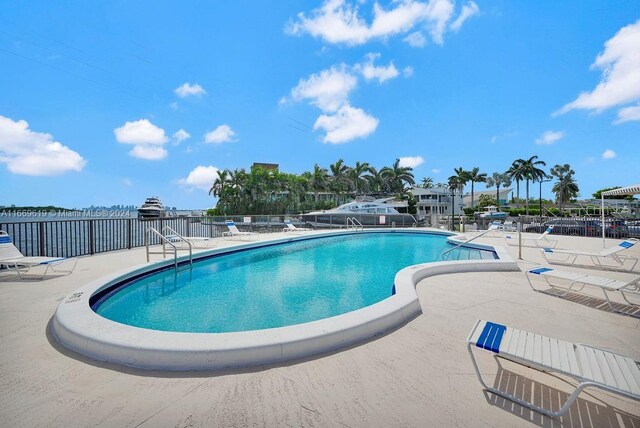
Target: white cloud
620	65
173	106
407	71
148	152
628	114
609	154
436	170
180	135
328	90
222	134
140	132
187	90
346	124
201	177
416	39
381	73
147	138
339	21
468	10
549	137
503	136
127	182
411	161
26	152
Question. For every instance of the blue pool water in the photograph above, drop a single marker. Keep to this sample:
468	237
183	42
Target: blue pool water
273	286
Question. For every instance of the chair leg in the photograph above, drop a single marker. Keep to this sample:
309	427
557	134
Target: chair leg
563	409
624	296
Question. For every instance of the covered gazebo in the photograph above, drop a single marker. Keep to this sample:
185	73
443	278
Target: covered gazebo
621	191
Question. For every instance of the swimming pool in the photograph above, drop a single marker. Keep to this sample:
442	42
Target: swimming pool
274	286
355	302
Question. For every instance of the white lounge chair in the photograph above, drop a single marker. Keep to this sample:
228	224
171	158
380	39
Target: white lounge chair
596	257
494	226
538	242
195	241
290	227
579	280
234	232
591	367
13	260
509	226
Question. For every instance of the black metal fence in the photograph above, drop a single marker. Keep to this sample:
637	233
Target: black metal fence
79	237
617	228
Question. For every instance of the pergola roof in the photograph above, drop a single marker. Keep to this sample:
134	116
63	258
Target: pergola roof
627	190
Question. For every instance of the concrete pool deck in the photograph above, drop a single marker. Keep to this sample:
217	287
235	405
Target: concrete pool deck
417	375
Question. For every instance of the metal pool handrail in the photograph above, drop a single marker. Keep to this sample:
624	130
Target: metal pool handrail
164	240
356	224
465	242
181	239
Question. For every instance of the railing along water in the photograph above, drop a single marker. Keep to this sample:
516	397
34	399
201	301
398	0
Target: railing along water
79	237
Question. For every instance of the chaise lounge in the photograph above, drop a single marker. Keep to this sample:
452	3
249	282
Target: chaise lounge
539	241
597	257
12	259
580	280
591	367
234	232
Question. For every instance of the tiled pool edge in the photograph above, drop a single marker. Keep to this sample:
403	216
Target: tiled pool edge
80	329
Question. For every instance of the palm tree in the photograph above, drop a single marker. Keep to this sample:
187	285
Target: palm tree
427	183
566	187
398	176
340	181
319	180
378	182
475	176
358	175
455	183
515	173
463	176
498	179
219	184
531	172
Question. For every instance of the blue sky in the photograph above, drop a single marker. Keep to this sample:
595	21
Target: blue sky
110	102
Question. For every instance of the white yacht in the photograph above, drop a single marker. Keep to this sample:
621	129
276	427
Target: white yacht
491	212
374	212
152	208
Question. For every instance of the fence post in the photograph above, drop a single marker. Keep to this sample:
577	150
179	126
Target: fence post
188	219
129	232
41	239
92	242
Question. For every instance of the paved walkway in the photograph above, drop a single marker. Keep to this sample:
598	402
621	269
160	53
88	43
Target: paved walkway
417	375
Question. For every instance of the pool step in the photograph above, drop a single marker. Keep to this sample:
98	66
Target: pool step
470	254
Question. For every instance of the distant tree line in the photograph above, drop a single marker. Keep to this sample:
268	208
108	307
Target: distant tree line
269	191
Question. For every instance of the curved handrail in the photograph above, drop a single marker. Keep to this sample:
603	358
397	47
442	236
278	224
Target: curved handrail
181	239
356	224
164	241
465	242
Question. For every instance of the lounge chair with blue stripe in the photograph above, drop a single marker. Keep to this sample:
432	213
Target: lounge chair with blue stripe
234	232
597	257
591	367
290	227
12	259
541	241
577	281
